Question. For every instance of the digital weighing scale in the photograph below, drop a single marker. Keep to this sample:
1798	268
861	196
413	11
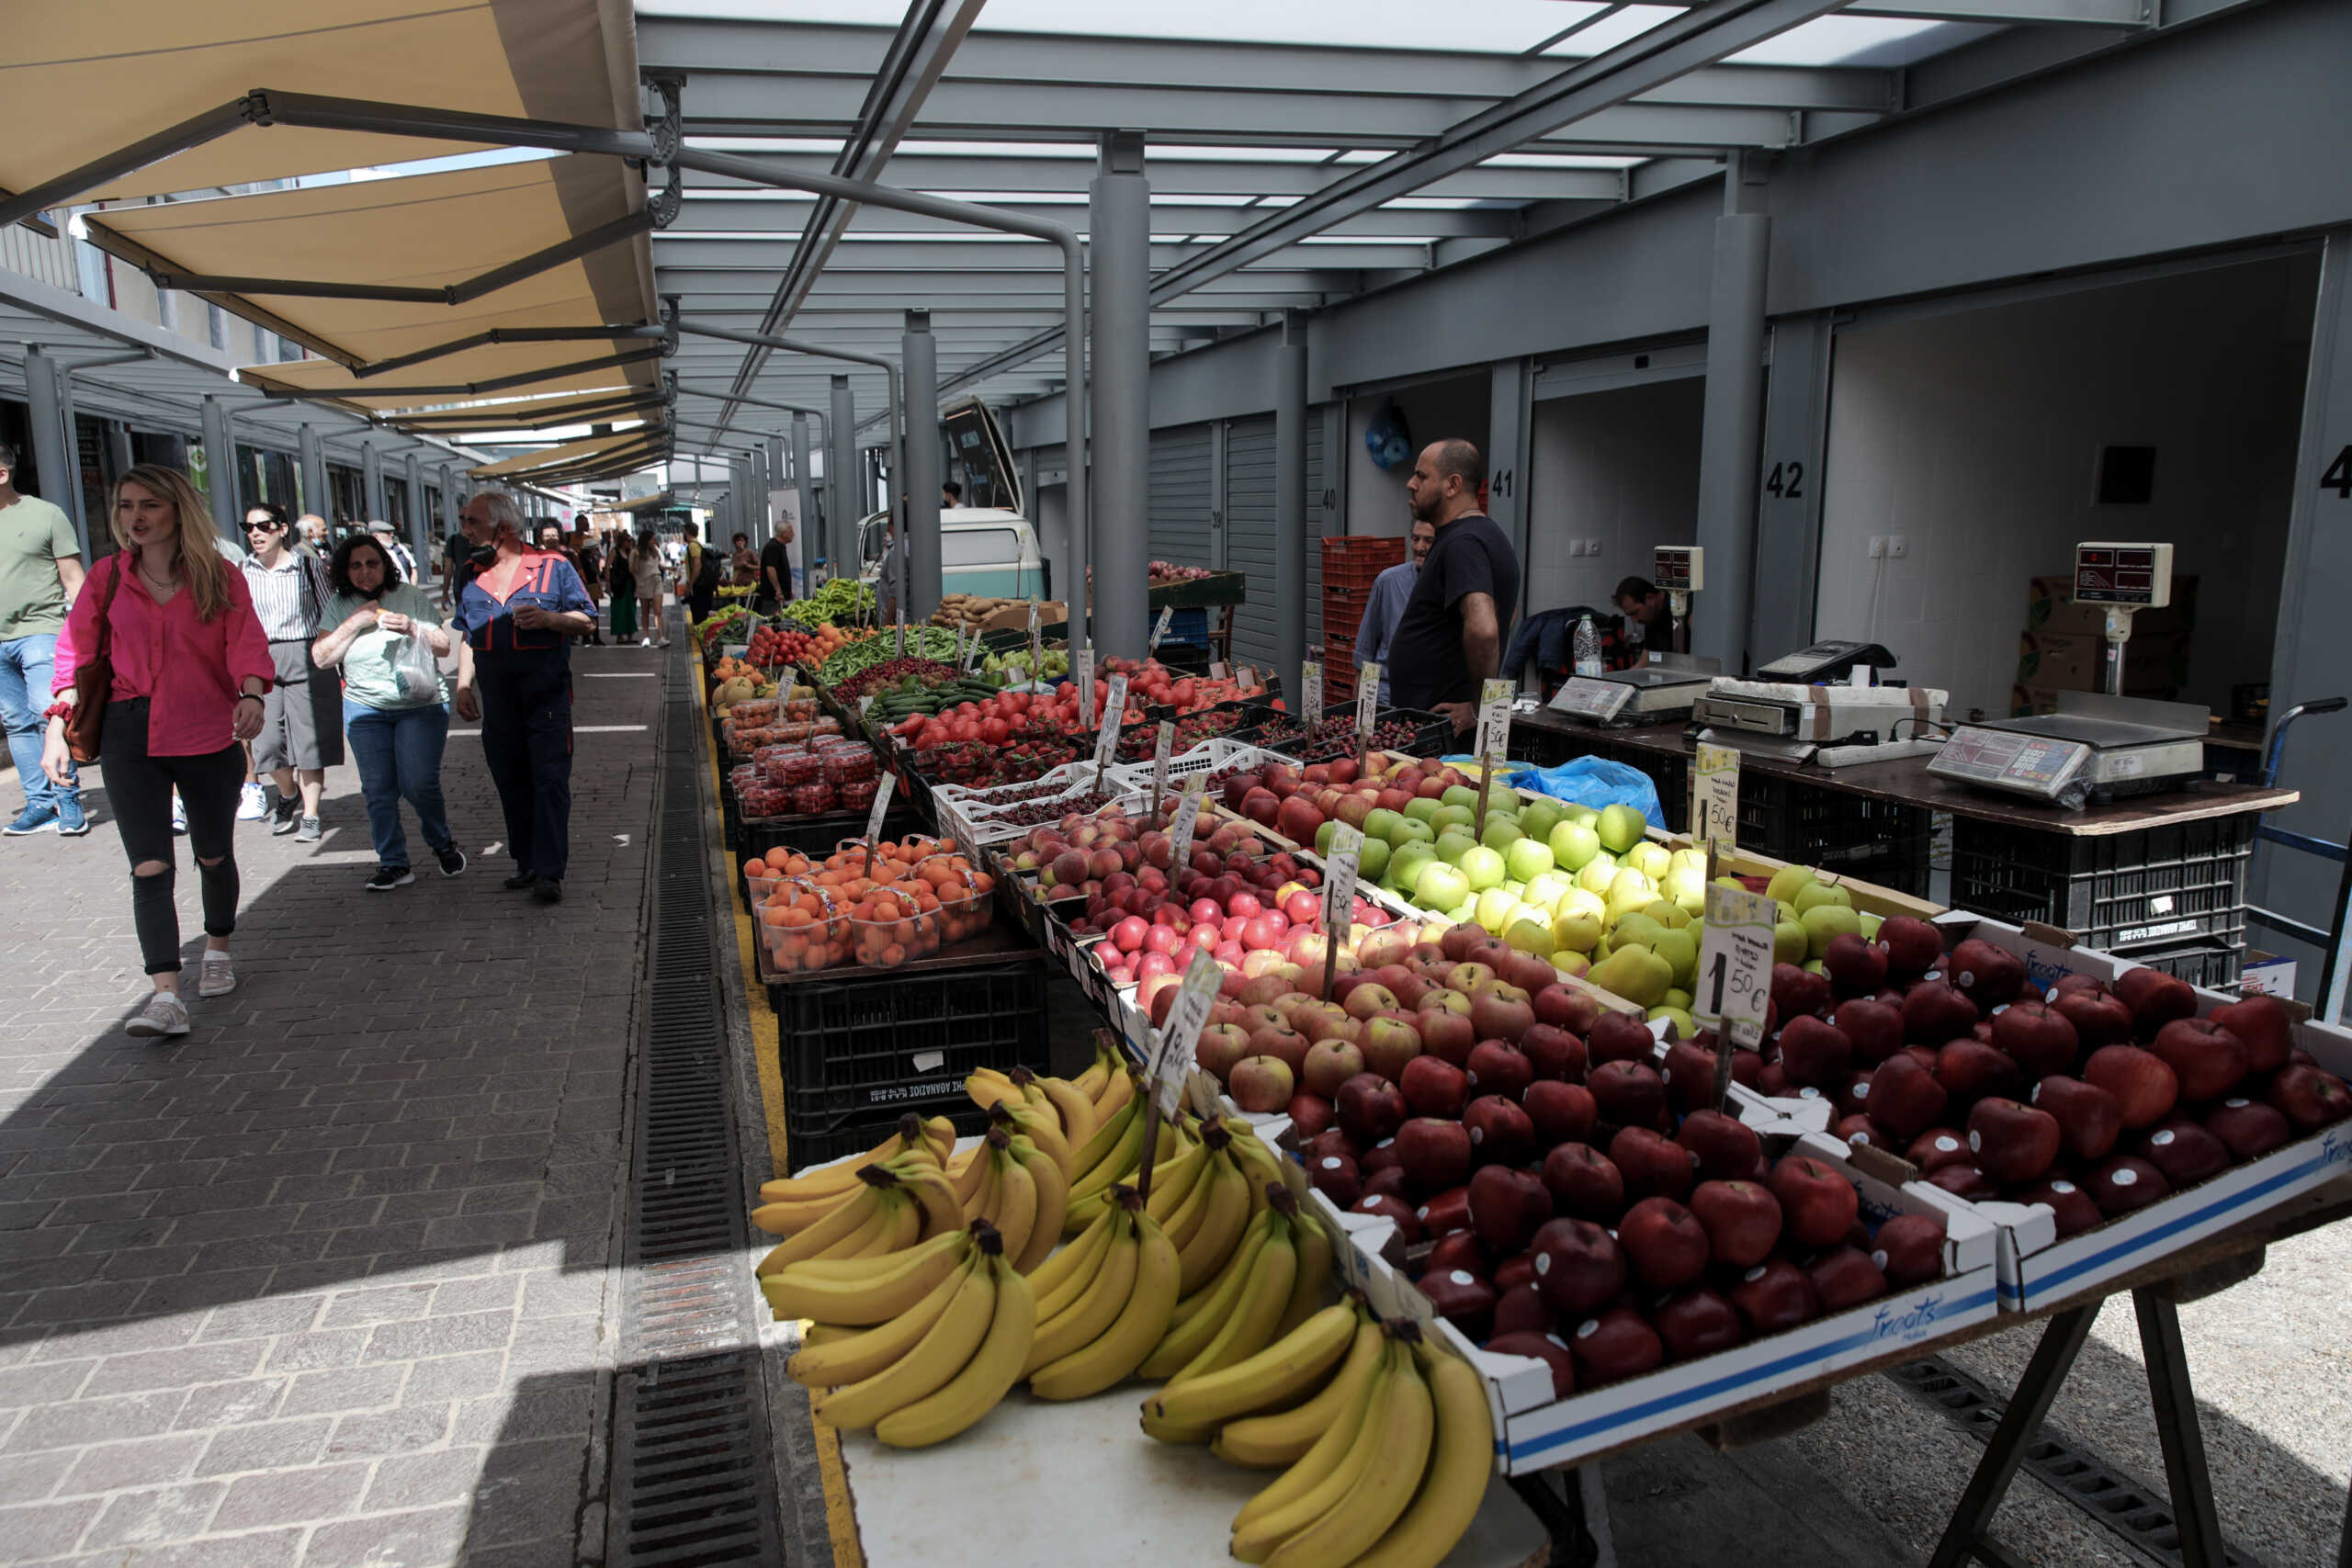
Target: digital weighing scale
1810	699
1662	688
2098	745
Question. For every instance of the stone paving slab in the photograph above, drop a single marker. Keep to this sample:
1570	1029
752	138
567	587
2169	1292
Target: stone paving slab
327	1280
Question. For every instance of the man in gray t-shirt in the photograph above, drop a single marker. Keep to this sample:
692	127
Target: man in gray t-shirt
40	570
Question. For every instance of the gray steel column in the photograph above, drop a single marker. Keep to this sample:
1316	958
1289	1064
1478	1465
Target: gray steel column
1290	501
1788	514
1733	425
806	538
840	485
313	459
451	505
76	504
418	539
773	450
919	485
51	459
219	472
1120	236
371	481
118	436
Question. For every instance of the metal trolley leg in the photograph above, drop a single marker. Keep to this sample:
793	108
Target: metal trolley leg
2185	1475
1965	1538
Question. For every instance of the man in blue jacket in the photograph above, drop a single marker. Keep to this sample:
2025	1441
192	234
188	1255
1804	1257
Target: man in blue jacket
1385	605
519	610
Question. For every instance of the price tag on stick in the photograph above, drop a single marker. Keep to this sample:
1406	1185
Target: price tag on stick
1715	796
1171	1053
1310	692
1735	973
1036	655
1084	669
1160	747
889	781
1159	627
1106	740
1180	831
902	632
962	629
1339	871
1494	740
1367	709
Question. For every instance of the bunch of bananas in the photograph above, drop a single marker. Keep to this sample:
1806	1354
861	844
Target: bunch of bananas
1392	1457
1016	1182
1272	1279
1102	1301
917	1346
896	1196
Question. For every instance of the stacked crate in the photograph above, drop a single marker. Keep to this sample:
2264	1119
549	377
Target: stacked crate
1351	562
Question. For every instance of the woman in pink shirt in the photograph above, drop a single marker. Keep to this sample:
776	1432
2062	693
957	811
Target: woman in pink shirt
190	663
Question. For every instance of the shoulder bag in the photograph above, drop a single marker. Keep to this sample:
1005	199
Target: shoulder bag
94	678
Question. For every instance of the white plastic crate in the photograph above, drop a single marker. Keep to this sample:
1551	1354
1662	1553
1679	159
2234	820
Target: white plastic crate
1211	756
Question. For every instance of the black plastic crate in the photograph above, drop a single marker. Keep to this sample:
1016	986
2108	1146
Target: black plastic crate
1876	840
802	1150
2214	964
859	1052
2151	887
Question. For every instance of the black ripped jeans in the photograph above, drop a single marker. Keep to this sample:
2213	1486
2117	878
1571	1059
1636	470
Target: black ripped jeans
139	790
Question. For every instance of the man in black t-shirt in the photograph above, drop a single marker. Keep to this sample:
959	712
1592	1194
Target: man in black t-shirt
1451	636
776	574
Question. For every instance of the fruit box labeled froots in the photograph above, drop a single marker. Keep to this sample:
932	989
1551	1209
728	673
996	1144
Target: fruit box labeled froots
1535	1431
2038	1268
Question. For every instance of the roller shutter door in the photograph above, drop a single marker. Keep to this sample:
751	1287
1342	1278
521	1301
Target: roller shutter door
1250	542
1180	499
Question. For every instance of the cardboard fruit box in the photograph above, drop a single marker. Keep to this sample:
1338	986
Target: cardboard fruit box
1534	1431
2036	1268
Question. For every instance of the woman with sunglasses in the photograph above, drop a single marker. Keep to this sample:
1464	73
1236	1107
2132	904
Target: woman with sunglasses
189	667
397	716
301	732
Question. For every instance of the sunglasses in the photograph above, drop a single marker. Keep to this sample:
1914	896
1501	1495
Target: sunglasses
261	527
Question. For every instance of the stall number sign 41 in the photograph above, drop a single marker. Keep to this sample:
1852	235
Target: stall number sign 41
1736	965
1172	1054
1715	796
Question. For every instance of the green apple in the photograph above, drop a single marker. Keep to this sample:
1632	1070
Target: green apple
1790	942
1869	926
1453	846
1634	929
1573	843
1668	913
1465	913
1529	934
1374	861
1483	866
1527	858
1502	833
1686	886
1813	895
1381	820
1598	873
1678	998
1787	880
1577	811
1460	795
1539	817
1685	1026
1650	858
1420	809
1494	909
1824	922
1621	828
1680	953
1546	889
1636	973
1627	882
1441	886
1576	930
1446	816
1585	898
1410	831
1323	836
1405	865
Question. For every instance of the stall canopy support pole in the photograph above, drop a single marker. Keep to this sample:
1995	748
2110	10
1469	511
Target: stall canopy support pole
1120	234
1733	422
315	499
419	530
918	482
1290	499
805	485
118	449
450	503
2060	1343
371	476
841	486
774	447
74	499
52	456
220	469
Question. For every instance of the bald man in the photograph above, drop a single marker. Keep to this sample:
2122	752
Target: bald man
1450	638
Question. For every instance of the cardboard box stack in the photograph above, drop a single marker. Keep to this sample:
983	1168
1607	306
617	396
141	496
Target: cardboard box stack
2064	645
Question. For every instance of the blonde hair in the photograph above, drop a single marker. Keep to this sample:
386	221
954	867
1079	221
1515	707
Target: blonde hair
197	549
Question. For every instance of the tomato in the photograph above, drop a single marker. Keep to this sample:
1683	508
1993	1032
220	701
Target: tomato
994	731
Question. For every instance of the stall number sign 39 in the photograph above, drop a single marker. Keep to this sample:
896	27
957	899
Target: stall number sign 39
1736	965
1172	1055
1714	795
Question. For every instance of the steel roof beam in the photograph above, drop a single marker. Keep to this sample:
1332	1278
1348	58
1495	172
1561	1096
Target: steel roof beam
947	174
2087	13
710	46
759	254
706	219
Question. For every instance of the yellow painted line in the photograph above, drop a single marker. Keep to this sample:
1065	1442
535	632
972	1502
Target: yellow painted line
841	1509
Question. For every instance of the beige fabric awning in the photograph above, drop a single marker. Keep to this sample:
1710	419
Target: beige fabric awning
576	455
82	81
422	233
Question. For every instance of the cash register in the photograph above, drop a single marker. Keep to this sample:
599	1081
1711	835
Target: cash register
1821	697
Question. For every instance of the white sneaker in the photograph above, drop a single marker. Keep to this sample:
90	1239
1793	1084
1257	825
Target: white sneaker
214	977
251	804
163	1015
645	642
179	815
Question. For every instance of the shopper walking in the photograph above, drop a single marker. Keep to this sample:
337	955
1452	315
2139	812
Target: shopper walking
1451	636
1384	606
310	535
701	579
646	567
390	537
386	636
519	616
620	584
589	563
188	667
775	572
40	570
301	731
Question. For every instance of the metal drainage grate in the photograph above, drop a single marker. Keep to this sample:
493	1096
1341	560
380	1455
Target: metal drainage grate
690	1451
2139	1515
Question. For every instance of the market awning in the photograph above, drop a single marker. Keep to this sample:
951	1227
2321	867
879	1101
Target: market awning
642	503
621	453
418	236
90	80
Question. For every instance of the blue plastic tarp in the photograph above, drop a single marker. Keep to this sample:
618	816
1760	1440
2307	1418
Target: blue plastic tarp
1587	781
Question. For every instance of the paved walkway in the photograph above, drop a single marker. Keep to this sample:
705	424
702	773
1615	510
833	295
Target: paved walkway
327	1280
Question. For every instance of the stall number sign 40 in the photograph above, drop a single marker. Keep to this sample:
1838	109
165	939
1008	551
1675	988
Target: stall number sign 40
1736	965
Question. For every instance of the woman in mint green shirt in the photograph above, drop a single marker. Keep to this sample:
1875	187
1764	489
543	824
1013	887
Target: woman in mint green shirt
386	634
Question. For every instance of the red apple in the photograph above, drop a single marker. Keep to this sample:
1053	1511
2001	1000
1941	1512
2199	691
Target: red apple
1856	967
1909	1249
1742	1220
1336	1177
1906	1098
1817	1203
1845	1277
2311	1098
1665	1247
2144	1086
1561	1112
1697	1323
2012	1142
1506	1206
1653	1165
2265	1028
2089	1118
1629	1093
1617	1345
2207	1058
1432	1087
1874	1029
1723	1147
1498	1068
1536	1347
1263	1085
2185	1152
1934	1012
2037	1037
2122	1185
2155	999
1566	1007
1583	1184
1971	1069
1619	1037
1987	975
1578	1266
1814	1053
2069	1205
1500	1130
2099	1020
1370	1110
1310	1115
1775	1295
2248	1127
1913	947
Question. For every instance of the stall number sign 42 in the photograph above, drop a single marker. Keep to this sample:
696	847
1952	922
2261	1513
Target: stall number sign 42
1736	965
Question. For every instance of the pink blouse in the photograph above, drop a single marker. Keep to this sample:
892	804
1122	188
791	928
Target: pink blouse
189	669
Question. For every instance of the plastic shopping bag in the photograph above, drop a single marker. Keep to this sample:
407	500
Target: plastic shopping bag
1590	780
418	672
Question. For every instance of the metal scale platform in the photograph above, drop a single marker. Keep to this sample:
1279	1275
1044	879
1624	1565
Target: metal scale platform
2098	745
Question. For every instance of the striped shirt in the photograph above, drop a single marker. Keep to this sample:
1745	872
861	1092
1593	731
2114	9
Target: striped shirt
287	613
